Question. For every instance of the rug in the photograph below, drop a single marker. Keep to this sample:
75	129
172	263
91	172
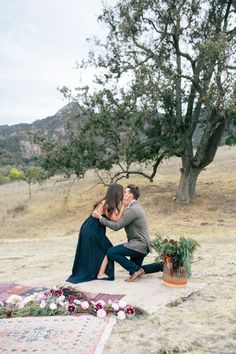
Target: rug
82	334
6	290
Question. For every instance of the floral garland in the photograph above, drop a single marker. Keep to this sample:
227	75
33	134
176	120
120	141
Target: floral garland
64	301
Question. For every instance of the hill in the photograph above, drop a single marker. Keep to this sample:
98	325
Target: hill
16	147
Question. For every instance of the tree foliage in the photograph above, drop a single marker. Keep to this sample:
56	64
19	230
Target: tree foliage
165	71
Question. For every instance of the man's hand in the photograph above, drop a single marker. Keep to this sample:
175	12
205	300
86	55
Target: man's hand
96	214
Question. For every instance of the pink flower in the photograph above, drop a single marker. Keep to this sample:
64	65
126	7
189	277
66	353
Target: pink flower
115	306
130	310
85	305
48	294
71	298
77	302
121	315
71	308
122	304
101	313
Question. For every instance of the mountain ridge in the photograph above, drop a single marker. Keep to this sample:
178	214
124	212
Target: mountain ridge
16	147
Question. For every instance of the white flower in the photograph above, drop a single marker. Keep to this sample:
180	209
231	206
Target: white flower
101	313
1	303
115	306
29	299
101	302
53	306
20	305
38	296
122	304
60	299
85	305
13	299
42	304
77	302
121	315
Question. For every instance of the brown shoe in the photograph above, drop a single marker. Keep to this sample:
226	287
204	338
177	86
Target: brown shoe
135	275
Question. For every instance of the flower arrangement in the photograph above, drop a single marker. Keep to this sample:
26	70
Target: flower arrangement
64	301
176	253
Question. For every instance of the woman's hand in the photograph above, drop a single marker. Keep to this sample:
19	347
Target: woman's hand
96	214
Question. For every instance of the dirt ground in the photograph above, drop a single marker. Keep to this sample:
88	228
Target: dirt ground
39	236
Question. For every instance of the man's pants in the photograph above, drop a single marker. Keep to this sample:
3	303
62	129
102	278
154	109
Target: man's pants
153	268
120	253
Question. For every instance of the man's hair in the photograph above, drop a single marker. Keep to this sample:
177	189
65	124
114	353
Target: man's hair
134	190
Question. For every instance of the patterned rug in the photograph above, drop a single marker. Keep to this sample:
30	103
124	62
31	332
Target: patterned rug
8	289
82	334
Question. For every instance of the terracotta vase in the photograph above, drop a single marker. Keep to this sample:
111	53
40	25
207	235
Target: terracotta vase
174	278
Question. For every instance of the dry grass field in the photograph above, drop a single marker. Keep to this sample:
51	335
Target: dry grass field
39	236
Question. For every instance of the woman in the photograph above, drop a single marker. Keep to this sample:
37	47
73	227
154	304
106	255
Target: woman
90	260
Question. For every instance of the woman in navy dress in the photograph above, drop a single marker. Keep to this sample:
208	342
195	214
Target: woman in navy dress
91	261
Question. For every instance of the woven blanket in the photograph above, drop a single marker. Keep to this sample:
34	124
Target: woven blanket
7	290
82	334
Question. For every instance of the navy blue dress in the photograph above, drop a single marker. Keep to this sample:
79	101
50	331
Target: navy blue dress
91	249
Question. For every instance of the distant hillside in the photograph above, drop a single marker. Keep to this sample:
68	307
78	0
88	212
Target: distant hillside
16	147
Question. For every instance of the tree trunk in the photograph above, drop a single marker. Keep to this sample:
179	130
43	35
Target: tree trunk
29	191
187	185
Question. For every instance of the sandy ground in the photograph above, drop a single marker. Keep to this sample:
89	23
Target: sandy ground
39	236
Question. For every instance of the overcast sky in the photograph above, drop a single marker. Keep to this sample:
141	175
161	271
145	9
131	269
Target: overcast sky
40	41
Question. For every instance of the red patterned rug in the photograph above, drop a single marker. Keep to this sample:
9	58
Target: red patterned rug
8	289
83	334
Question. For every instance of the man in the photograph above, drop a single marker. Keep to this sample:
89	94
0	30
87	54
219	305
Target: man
134	221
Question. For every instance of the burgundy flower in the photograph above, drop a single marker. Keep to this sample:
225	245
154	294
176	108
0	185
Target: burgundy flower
172	241
58	292
66	290
71	308
71	298
130	310
97	307
9	313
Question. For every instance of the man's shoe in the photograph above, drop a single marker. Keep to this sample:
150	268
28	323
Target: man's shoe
135	275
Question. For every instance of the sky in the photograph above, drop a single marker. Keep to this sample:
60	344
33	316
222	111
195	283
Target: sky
40	42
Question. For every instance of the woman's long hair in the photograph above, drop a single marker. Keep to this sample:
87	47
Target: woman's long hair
113	198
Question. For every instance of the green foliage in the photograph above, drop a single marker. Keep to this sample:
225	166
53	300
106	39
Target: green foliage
4	179
180	252
15	174
33	174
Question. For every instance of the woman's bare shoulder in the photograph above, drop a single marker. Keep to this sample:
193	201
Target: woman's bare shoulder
99	208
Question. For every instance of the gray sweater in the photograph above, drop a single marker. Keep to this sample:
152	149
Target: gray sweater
134	221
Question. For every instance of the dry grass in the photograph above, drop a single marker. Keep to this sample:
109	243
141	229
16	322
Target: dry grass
47	214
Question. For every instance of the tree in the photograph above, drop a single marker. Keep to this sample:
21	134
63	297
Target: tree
33	175
165	71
